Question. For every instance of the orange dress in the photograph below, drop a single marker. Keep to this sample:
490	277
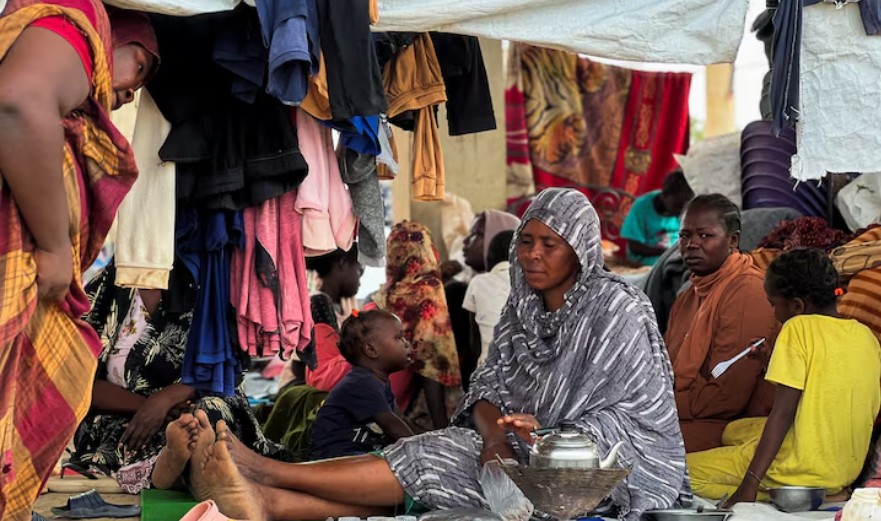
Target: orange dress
711	322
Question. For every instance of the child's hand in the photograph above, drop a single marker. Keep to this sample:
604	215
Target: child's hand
520	424
54	273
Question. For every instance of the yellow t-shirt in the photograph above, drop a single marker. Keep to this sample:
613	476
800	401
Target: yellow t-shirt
836	363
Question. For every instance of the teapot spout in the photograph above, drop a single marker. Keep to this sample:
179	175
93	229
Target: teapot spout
610	460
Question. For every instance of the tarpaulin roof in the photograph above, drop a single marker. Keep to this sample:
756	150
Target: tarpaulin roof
697	32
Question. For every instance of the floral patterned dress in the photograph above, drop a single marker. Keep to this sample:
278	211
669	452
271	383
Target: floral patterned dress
414	291
153	362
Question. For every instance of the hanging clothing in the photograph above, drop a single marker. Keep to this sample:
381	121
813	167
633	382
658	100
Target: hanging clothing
290	31
599	360
359	172
152	361
230	154
145	247
98	169
711	322
608	131
205	244
239	48
317	100
354	80
414	292
329	220
469	102
413	82
361	134
268	276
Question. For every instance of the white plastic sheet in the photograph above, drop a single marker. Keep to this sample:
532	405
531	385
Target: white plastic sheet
860	202
176	7
713	166
839	127
696	32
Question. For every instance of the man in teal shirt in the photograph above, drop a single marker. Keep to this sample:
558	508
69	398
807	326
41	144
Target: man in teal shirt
652	225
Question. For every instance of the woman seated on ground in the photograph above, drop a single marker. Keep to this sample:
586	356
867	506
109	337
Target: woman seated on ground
826	370
137	386
576	343
723	312
429	389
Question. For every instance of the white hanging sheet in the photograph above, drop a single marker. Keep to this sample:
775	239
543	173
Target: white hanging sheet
838	129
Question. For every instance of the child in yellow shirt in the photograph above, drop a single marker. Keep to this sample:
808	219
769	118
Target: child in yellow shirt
827	372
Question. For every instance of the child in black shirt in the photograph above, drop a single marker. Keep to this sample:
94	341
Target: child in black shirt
359	414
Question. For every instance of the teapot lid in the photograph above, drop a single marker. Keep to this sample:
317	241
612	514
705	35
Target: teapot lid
567	437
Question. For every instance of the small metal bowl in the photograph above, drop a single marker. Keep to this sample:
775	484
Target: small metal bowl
797	499
688	515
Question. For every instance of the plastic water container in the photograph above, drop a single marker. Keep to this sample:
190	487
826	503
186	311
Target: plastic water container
864	504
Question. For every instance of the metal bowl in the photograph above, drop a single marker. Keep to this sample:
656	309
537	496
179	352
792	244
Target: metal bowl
797	499
688	515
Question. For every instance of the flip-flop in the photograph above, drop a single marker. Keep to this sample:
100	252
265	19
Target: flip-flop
37	517
91	505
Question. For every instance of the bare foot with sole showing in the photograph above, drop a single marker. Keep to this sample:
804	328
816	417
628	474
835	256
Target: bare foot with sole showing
180	438
200	453
223	482
245	459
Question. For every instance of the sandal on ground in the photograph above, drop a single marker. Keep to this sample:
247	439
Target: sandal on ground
91	505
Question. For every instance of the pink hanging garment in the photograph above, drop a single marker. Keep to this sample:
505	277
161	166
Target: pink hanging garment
268	281
323	200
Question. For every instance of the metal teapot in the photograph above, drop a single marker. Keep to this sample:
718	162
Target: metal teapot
567	447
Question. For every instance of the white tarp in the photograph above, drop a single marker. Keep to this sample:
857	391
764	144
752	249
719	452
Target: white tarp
712	166
696	32
840	122
177	7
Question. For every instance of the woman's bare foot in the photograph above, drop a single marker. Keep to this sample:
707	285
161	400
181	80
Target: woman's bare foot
223	483
246	460
180	438
199	454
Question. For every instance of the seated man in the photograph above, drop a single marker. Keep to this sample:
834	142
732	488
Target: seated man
652	225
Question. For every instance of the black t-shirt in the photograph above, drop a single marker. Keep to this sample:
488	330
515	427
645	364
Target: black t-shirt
345	423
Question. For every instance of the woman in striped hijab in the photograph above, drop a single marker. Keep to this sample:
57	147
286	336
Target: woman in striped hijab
574	343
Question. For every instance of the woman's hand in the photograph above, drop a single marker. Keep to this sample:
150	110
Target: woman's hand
745	493
497	447
521	425
54	273
149	419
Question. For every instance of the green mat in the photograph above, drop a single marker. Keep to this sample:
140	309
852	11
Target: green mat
165	505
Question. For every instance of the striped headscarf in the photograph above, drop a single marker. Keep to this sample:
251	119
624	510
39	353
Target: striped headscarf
599	360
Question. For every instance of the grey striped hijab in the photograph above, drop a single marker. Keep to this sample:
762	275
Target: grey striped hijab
599	360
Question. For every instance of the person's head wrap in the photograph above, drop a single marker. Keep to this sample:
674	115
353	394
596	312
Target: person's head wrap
134	27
